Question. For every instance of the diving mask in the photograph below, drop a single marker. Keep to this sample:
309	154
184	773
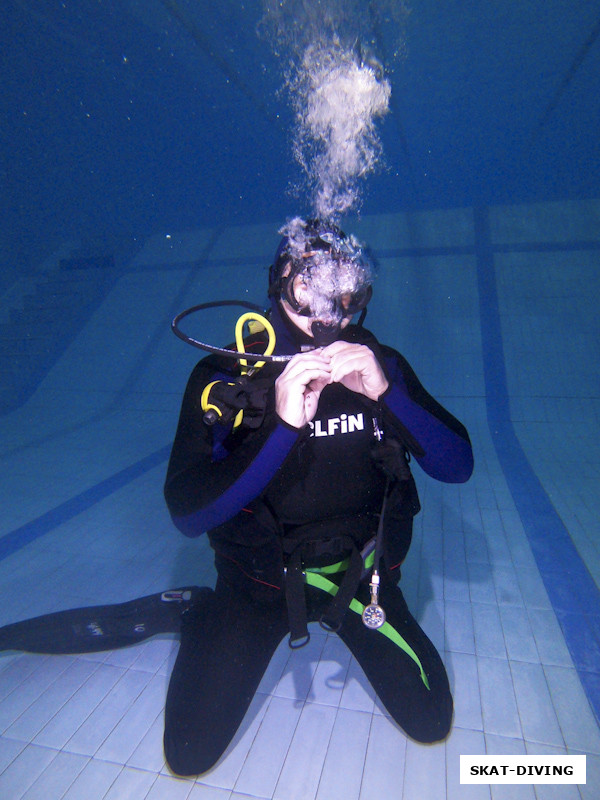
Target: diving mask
323	274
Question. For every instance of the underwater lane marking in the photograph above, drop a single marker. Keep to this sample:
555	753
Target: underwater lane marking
572	591
45	523
547	247
64	512
469	250
396	252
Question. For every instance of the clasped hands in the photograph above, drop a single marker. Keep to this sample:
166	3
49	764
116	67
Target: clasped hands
298	388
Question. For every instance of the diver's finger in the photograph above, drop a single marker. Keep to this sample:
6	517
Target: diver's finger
308	376
357	360
296	368
339	345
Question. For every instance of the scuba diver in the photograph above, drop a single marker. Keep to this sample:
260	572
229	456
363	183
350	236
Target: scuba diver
305	490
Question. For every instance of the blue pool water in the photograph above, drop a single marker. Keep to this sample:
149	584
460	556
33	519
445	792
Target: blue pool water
488	283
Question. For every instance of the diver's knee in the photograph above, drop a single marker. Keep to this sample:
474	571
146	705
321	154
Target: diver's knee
186	759
434	726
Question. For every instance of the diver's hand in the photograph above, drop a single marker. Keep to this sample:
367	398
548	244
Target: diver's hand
298	388
356	368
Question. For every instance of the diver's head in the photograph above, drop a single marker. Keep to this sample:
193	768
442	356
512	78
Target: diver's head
320	277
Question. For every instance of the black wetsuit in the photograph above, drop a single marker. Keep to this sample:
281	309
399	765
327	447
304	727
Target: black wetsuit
275	496
271	497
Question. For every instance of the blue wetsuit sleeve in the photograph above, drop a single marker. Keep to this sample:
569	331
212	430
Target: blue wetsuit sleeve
214	473
244	489
439	442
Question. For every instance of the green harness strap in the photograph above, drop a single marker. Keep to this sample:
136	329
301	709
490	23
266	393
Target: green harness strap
316	577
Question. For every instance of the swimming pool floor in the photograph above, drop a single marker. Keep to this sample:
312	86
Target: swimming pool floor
84	523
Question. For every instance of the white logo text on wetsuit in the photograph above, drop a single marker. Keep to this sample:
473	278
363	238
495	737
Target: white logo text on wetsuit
345	423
